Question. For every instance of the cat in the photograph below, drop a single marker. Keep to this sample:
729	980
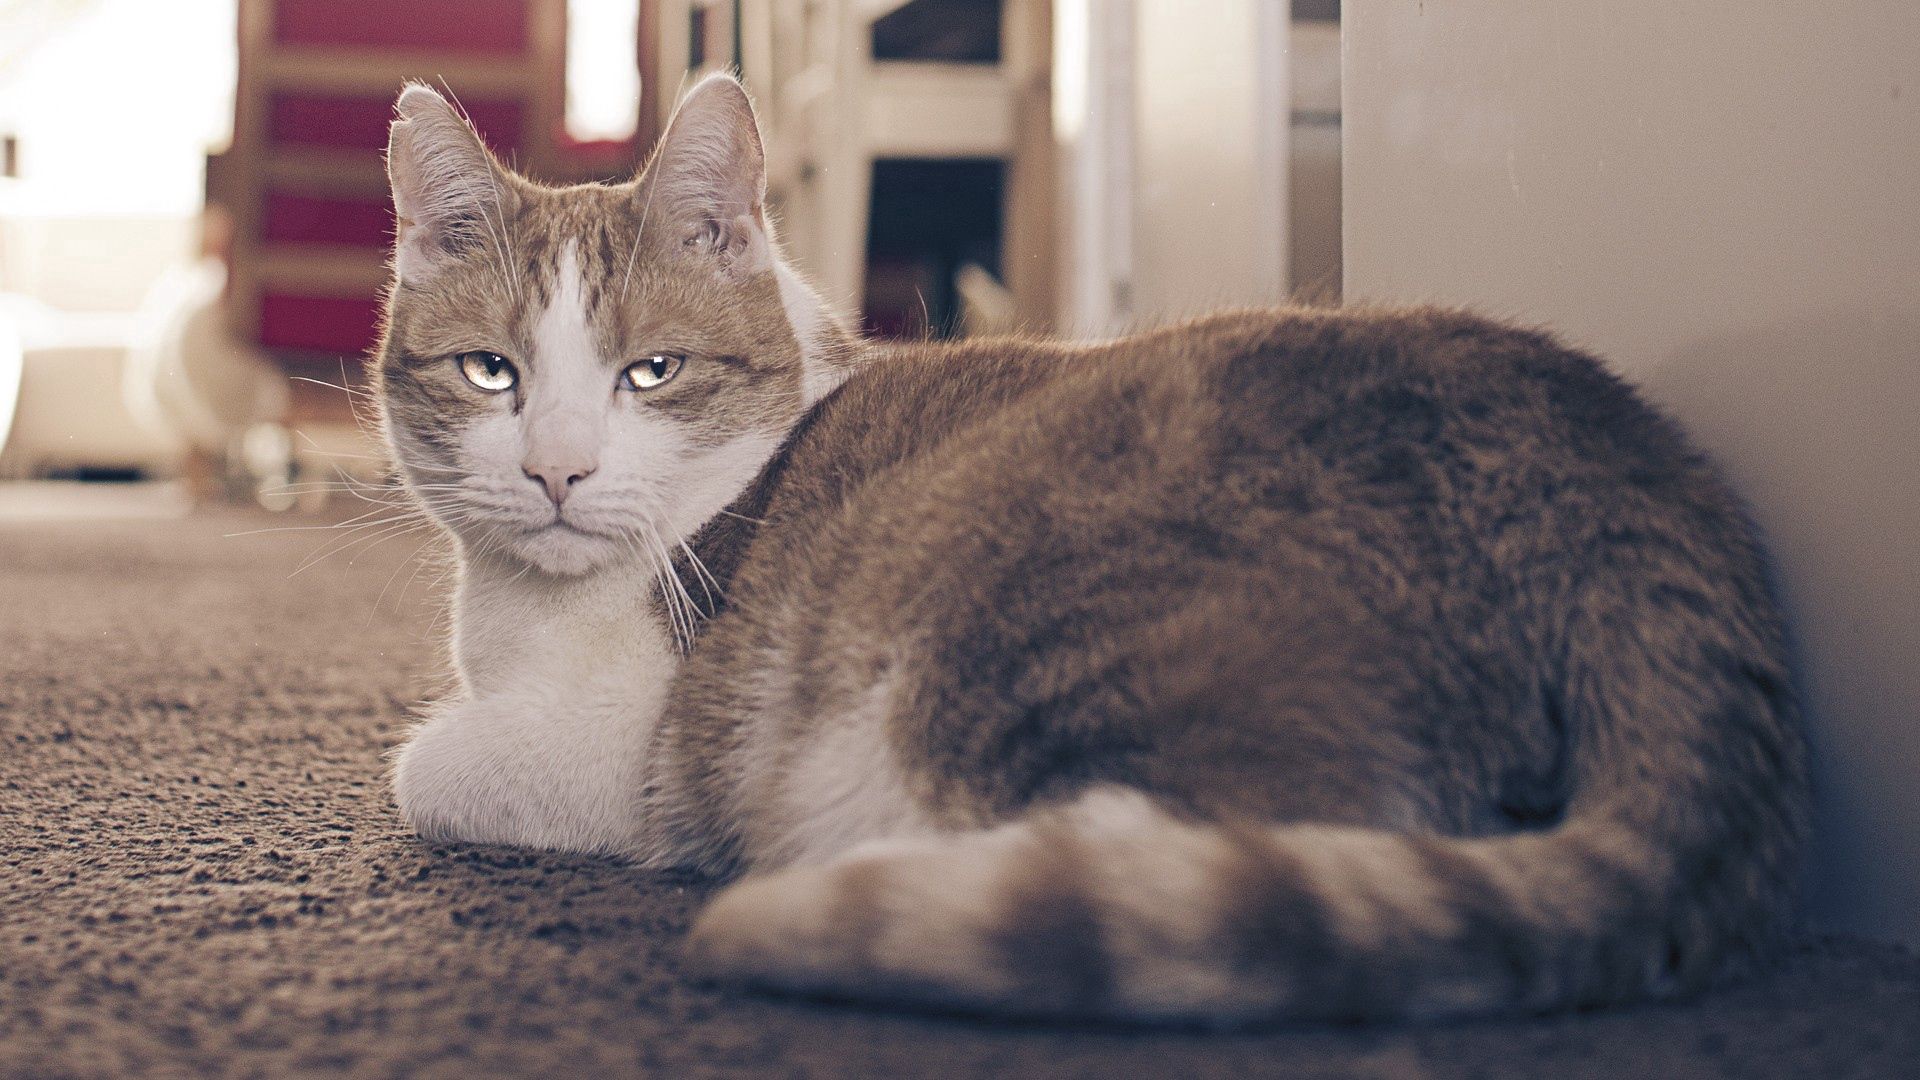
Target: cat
1301	663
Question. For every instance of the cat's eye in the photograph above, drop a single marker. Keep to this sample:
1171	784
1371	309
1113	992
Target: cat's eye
488	371
652	371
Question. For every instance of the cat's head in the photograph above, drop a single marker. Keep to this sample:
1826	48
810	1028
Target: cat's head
575	376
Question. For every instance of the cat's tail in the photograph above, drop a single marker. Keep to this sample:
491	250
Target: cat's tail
1675	858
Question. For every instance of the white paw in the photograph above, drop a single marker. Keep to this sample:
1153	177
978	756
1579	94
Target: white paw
483	773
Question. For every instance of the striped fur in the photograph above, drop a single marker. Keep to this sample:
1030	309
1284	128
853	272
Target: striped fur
1435	676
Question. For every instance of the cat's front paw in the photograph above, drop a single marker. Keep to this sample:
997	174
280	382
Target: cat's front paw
481	774
447	785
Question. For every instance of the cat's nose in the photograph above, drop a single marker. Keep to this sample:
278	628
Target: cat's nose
557	479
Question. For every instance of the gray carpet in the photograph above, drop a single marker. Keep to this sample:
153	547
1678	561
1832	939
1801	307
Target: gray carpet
201	874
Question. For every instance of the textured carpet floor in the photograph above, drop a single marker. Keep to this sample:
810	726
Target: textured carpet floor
201	874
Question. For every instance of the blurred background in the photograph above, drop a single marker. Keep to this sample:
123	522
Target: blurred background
1722	198
194	215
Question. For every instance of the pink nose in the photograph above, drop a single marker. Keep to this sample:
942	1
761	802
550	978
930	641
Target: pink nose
557	479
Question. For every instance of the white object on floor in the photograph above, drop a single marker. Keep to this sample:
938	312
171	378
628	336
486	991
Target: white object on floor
10	368
65	500
70	412
188	375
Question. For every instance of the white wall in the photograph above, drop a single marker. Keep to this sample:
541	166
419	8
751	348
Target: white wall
1724	199
86	262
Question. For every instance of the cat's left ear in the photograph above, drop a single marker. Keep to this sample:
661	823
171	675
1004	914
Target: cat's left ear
708	180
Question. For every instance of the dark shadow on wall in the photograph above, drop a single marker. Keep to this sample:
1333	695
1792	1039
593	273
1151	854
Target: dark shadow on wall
1822	440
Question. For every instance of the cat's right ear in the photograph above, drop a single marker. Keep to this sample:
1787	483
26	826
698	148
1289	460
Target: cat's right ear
449	194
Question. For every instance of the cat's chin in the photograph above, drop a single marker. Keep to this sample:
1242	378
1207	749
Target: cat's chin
565	552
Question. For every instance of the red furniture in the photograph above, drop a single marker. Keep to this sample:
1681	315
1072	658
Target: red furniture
305	181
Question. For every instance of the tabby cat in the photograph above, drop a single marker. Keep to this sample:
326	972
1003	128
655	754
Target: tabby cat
1278	664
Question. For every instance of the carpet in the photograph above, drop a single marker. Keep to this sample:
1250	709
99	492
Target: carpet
202	874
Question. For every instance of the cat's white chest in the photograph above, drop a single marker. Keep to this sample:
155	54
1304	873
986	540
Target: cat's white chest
563	683
574	634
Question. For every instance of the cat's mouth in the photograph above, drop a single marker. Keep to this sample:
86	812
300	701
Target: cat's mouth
563	547
563	526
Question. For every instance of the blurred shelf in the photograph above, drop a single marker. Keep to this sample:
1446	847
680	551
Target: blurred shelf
939	110
346	172
382	73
